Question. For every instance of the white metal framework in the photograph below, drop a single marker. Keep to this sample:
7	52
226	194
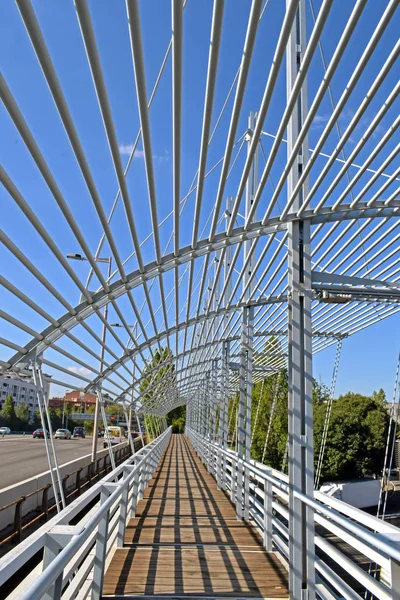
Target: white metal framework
241	232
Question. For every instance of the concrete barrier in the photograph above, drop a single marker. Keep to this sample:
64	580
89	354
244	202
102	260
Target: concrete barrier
28	486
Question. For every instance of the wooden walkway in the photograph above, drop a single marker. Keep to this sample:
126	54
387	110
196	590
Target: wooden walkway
186	541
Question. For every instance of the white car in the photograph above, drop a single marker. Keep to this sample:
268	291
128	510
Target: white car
62	434
5	430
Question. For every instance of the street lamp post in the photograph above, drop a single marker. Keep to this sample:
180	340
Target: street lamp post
63	413
134	331
103	341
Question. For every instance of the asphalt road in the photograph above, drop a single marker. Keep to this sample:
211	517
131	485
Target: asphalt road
23	457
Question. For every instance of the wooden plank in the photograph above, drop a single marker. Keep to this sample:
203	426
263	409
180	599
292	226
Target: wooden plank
186	541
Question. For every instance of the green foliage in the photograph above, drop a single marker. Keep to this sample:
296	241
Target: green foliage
176	413
263	397
178	425
150	423
7	415
157	378
276	384
176	418
356	436
22	413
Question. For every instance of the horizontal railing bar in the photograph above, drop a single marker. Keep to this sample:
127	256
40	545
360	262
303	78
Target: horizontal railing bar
18	557
348	523
384	545
50	575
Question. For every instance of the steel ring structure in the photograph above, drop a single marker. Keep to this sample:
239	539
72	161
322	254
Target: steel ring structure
236	167
192	263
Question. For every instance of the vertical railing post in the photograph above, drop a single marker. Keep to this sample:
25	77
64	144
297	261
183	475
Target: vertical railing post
395	579
56	540
100	551
51	550
45	501
123	510
18	519
135	492
268	515
141	479
233	477
300	414
226	410
209	419
221	424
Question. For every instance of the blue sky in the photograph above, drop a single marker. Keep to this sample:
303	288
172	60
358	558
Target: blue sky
369	359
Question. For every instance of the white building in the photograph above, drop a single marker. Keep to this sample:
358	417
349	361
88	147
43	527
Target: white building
22	390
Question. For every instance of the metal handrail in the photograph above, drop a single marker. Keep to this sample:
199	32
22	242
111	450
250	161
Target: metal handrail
93	472
381	542
113	491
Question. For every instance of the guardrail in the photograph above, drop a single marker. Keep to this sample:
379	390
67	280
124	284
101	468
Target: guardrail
374	539
75	555
83	477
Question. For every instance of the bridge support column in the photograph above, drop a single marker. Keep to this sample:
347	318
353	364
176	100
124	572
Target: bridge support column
300	415
223	413
300	406
244	412
249	391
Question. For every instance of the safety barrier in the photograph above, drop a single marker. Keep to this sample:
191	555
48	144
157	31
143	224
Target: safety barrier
74	483
75	555
267	506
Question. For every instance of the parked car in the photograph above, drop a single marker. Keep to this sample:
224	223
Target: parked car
5	430
39	433
62	434
79	432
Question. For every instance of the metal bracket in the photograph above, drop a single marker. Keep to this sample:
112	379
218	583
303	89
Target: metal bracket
62	534
109	488
248	135
303	441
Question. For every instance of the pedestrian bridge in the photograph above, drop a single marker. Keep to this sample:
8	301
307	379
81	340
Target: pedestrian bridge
184	518
185	540
247	211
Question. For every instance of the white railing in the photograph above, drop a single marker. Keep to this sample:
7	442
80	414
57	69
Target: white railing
267	507
75	557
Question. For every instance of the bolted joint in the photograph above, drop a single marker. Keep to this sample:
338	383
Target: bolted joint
248	135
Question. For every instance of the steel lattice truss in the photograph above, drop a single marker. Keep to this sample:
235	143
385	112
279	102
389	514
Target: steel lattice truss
187	259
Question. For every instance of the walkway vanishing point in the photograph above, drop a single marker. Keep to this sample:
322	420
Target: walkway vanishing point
186	541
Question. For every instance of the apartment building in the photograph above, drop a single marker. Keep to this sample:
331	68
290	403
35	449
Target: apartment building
22	390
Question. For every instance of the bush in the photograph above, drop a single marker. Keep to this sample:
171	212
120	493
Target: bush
178	425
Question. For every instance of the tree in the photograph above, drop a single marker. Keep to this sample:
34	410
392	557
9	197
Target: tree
265	393
159	377
176	418
356	436
22	415
7	415
178	425
176	413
